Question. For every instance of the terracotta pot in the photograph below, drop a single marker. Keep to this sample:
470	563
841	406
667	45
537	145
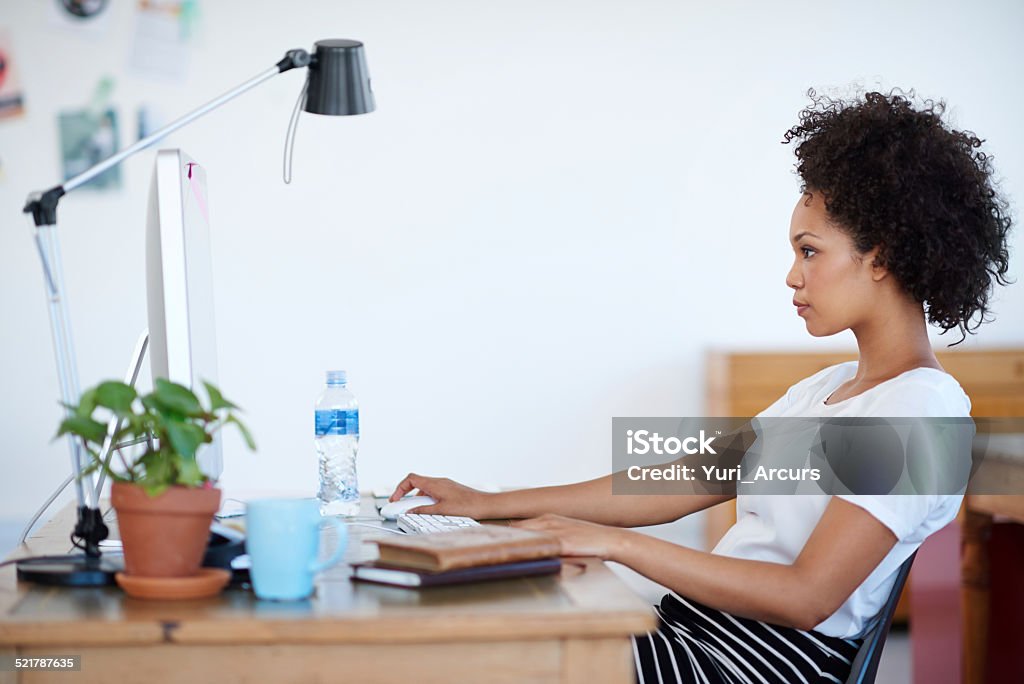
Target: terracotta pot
166	535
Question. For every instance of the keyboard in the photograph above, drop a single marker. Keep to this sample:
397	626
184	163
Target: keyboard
421	523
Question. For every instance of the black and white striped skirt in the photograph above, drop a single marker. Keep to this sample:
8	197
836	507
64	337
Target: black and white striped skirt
695	643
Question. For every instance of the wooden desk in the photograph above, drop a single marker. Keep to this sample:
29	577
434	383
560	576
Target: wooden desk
572	627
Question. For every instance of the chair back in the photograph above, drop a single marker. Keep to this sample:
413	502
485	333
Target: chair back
865	665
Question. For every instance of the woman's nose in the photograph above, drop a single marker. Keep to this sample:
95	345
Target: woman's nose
793	278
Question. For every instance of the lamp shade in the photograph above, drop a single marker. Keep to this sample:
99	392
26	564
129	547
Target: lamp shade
338	83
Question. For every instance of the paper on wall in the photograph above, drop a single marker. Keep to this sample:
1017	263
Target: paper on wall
12	99
163	36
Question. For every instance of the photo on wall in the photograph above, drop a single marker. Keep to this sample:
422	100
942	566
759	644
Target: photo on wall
87	138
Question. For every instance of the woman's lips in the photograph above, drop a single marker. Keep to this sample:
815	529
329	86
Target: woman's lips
800	307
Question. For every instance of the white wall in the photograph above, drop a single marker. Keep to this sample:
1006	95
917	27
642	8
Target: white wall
556	210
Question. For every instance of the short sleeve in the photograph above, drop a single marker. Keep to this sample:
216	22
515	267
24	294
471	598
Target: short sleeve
901	516
911	517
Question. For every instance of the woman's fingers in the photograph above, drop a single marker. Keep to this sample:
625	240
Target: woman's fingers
450	498
410	482
541	520
426	510
530	523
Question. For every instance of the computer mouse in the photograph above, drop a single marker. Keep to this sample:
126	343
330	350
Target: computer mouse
391	511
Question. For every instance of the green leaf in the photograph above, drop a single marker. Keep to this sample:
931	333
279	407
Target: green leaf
177	398
136	425
86	428
217	400
154	489
154	407
246	435
159	471
116	396
185	437
189	473
86	405
157	414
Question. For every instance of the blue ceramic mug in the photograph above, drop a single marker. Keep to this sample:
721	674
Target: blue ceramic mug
283	541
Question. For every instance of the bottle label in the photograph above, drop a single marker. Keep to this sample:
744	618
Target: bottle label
337	422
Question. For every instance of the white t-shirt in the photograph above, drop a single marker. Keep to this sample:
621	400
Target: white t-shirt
775	527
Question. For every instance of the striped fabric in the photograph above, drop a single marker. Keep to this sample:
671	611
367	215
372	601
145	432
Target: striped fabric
695	643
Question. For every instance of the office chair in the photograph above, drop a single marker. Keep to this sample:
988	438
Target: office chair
865	665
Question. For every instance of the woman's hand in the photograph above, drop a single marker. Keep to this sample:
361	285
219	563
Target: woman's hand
452	498
578	537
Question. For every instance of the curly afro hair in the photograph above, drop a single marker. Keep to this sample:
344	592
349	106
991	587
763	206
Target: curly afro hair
896	177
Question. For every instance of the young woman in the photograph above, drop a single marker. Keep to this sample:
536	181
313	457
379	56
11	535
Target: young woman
898	225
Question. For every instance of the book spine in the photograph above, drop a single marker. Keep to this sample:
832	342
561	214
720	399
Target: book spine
494	555
409	578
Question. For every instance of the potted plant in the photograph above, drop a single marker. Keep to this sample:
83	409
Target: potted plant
164	502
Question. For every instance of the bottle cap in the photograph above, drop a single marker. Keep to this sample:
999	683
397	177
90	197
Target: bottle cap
336	378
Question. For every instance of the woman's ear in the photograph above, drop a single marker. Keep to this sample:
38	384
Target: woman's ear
878	271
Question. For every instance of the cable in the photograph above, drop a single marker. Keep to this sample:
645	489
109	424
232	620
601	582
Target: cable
46	505
289	139
376	527
49	502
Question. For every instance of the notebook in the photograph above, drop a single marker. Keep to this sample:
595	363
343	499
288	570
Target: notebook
410	577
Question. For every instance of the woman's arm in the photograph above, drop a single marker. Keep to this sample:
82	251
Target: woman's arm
845	547
591	500
594	501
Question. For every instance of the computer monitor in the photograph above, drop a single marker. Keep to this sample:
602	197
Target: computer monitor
179	284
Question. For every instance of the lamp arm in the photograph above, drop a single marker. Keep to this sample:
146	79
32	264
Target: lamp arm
43	206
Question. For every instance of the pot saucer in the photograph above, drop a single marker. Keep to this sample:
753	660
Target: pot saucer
207	582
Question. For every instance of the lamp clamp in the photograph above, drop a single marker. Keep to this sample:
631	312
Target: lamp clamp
43	206
294	59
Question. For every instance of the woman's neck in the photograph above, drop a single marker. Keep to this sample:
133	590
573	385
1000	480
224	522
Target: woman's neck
894	341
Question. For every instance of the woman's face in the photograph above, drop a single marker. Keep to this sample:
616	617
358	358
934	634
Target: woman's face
833	284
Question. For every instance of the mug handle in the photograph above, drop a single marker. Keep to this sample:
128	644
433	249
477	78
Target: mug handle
317	567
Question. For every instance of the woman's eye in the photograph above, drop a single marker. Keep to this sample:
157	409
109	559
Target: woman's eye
805	251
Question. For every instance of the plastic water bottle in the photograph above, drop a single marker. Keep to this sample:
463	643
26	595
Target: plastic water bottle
337	441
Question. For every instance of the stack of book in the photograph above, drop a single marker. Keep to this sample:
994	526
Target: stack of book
473	554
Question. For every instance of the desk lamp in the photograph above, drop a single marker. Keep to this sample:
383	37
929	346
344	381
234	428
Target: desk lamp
337	84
